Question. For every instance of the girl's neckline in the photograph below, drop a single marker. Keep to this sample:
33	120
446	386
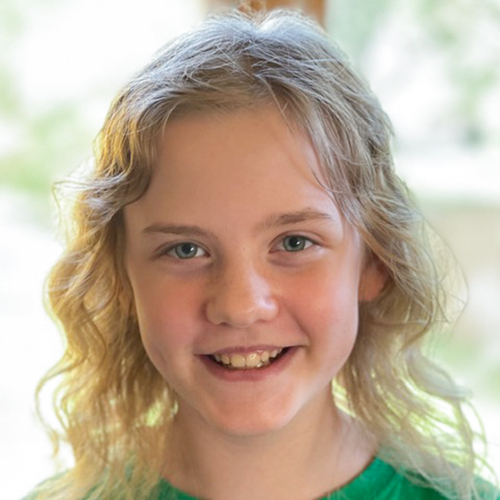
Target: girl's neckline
367	484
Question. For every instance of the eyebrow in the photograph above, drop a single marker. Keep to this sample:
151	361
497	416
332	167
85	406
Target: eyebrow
180	229
272	221
290	218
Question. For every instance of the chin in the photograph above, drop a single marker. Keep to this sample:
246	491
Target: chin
251	420
244	427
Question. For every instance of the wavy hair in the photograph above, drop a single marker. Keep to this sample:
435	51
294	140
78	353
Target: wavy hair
403	400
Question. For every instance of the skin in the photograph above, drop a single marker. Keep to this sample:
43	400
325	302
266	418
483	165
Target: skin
241	189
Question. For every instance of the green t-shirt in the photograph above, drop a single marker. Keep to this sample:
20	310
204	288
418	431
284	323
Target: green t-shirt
379	481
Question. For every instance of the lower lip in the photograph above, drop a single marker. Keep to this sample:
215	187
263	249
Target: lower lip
249	374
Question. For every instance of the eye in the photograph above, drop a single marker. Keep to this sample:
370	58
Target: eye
186	250
295	243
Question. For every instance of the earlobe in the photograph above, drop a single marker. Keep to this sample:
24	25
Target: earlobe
373	280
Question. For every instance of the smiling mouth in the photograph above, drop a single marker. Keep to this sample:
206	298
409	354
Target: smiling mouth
257	359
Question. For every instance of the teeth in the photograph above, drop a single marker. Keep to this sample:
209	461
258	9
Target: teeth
252	360
238	361
255	359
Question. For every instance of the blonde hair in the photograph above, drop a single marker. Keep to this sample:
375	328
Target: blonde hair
404	401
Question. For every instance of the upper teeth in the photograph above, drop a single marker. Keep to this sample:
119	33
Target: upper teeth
251	360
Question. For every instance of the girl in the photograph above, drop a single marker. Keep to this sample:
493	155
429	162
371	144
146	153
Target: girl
247	286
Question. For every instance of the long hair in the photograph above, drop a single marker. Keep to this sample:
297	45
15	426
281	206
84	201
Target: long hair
113	405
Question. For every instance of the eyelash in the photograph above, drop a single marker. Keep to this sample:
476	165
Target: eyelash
173	251
304	239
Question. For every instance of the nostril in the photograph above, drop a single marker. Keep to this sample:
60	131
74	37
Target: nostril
240	312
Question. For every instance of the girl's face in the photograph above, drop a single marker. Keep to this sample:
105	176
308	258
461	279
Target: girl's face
246	278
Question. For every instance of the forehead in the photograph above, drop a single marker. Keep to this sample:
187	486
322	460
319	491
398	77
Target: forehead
259	138
235	168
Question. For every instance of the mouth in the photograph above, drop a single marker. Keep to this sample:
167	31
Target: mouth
248	361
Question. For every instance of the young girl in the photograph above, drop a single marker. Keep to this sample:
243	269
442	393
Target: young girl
247	287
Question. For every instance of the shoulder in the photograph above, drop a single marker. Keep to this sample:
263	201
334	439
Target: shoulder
403	487
45	490
44	486
381	481
54	488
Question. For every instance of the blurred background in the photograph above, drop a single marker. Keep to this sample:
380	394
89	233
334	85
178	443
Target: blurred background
434	65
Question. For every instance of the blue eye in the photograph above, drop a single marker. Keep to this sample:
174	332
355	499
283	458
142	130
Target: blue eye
186	250
296	243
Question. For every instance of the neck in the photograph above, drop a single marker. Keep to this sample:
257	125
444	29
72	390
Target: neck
320	450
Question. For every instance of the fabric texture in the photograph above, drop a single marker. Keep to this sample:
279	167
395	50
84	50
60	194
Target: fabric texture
379	481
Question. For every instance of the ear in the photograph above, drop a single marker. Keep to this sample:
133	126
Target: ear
373	279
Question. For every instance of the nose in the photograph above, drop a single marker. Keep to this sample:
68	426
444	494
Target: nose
240	297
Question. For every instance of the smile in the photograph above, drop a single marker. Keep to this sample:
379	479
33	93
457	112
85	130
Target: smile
256	359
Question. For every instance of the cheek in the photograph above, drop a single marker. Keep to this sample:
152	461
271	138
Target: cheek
328	296
166	315
328	306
